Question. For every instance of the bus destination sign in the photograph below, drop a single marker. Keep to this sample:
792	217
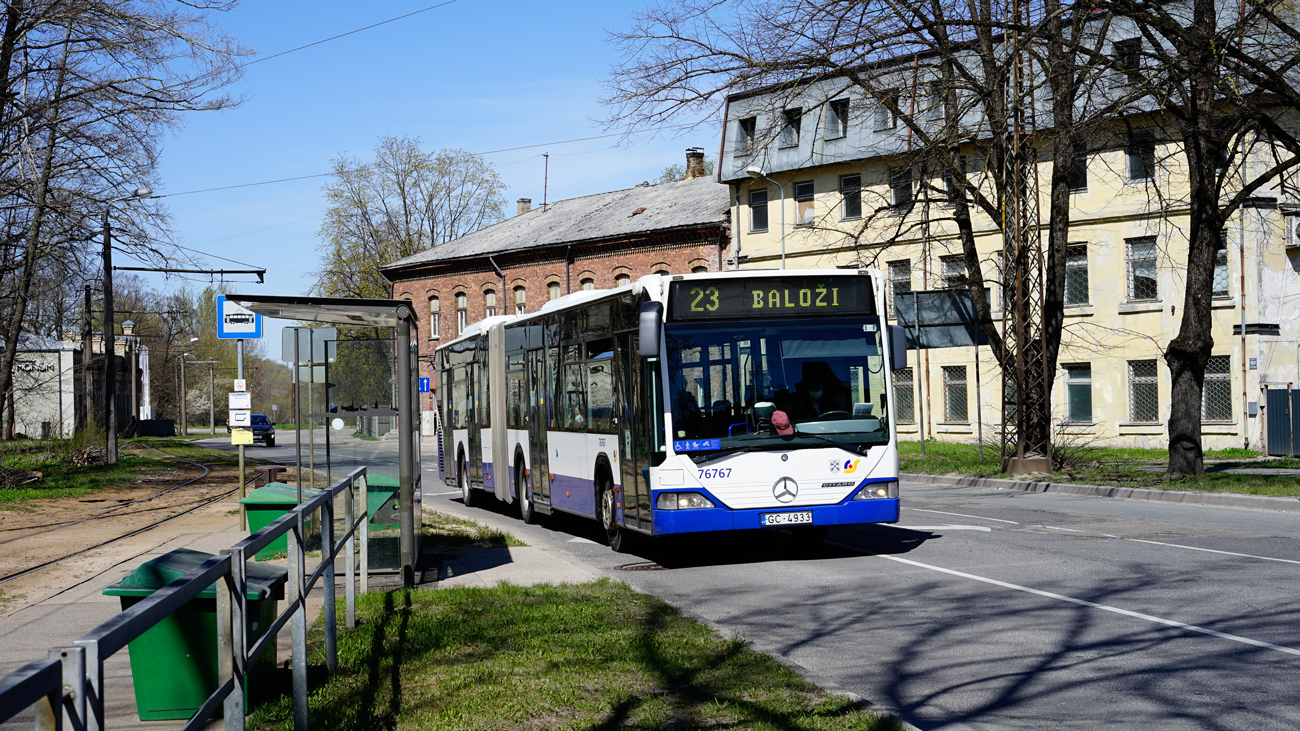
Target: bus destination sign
795	295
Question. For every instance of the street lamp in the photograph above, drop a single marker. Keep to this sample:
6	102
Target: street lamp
110	339
756	172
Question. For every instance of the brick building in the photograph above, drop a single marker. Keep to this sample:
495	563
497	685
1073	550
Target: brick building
593	242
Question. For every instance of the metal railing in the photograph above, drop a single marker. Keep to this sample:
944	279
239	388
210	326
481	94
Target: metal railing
67	688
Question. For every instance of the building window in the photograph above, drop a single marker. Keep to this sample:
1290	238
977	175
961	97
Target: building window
490	303
1079	169
904	396
885	117
699	270
745	130
1141	154
587	284
1220	289
790	128
1143	392
1076	274
953	271
433	318
1128	59
521	301
553	291
662	272
837	118
462	312
851	192
758	210
900	186
1142	270
805	205
999	283
900	281
1217	392
954	394
934	101
1078	393
622	280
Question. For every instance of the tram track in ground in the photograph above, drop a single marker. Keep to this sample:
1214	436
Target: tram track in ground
114	512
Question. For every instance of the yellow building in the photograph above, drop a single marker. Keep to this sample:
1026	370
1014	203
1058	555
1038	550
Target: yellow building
823	178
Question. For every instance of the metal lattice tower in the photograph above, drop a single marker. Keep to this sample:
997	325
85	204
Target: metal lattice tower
1026	402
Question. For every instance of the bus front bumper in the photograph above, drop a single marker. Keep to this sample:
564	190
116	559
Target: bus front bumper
850	512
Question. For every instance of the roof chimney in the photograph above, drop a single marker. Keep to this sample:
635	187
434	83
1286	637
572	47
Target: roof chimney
694	163
524	205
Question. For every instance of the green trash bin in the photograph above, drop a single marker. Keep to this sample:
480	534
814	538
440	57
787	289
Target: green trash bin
266	504
174	663
381	501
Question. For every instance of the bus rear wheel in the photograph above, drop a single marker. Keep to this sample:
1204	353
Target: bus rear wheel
466	492
615	536
526	513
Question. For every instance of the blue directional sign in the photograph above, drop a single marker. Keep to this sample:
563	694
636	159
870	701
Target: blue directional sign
235	321
424	385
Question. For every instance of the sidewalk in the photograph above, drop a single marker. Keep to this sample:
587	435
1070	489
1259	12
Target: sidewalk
1185	497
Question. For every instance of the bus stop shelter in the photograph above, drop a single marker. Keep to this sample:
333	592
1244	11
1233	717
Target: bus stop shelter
373	313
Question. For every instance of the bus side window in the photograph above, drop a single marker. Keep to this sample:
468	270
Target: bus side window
600	396
575	398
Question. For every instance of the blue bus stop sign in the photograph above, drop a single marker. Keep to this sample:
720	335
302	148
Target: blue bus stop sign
234	321
424	385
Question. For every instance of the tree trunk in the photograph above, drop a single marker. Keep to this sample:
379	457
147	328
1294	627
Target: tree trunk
1188	353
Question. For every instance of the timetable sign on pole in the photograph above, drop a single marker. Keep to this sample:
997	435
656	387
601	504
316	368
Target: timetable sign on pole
241	418
241	401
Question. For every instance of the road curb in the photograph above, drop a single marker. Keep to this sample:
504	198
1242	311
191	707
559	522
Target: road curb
1212	499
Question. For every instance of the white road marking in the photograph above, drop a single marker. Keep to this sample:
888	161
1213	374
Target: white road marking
1211	550
963	515
984	528
1052	527
1086	603
440	494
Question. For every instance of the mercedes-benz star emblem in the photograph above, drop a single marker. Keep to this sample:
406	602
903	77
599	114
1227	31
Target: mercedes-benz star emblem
785	489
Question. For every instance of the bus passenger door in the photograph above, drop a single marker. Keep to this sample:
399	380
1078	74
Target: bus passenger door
631	449
475	439
539	473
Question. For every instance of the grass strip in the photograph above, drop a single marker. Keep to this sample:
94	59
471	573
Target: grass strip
589	656
61	479
1118	467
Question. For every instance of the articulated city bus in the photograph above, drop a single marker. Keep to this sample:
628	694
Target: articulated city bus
683	403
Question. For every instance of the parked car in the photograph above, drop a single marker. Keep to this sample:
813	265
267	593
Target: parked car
263	429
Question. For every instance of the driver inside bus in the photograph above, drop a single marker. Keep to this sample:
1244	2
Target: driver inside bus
819	392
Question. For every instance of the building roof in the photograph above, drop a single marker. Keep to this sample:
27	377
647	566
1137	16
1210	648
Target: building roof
640	211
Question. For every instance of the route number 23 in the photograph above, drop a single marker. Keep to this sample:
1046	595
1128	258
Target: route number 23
705	299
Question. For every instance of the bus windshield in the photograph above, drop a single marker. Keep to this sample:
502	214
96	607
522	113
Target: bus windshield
735	385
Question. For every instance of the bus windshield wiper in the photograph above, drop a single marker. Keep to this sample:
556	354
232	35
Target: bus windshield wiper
854	448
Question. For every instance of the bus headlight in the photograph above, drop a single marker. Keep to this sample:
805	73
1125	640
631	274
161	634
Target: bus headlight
878	490
682	501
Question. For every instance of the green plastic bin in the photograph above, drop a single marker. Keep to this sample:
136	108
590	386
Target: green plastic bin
381	501
174	663
265	505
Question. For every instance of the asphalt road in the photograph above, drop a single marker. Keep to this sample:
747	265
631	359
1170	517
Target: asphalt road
998	610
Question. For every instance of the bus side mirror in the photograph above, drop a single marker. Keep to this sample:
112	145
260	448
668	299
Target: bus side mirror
897	348
652	320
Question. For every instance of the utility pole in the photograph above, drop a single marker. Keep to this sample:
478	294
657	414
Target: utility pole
87	375
185	428
110	340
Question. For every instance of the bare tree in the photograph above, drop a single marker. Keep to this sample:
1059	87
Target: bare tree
937	71
1220	80
403	202
87	91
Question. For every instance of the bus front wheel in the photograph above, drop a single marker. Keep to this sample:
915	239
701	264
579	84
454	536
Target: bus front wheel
614	533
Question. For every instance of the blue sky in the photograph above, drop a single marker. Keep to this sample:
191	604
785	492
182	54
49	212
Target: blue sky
478	75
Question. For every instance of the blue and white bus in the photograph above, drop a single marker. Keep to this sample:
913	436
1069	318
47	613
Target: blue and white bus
683	403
